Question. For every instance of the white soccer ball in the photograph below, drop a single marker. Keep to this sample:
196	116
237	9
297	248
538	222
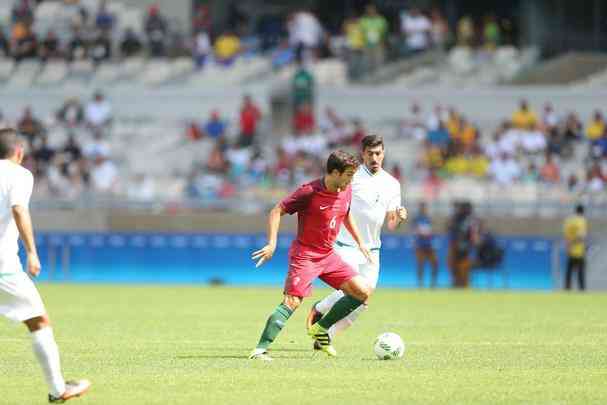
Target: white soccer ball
389	346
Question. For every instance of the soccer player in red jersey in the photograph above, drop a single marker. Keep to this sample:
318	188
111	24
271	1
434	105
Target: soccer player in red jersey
321	206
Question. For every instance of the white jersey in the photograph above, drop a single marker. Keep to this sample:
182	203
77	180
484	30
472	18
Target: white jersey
373	196
16	183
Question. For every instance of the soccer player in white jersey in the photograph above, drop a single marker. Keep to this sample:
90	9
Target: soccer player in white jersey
19	298
376	198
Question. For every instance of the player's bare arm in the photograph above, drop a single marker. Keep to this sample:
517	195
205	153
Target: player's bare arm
23	221
350	225
396	218
264	254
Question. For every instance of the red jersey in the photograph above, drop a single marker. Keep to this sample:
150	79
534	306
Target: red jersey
320	214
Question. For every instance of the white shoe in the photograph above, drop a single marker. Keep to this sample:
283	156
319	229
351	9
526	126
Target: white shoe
73	389
260	354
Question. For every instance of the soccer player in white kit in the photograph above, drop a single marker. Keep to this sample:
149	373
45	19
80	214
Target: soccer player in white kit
19	298
376	198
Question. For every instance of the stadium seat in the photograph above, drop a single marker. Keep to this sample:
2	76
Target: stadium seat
24	74
53	73
6	69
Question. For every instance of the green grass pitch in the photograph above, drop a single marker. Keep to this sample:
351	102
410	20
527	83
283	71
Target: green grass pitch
188	345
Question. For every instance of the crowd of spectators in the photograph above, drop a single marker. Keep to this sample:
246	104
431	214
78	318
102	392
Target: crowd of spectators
78	33
83	160
526	148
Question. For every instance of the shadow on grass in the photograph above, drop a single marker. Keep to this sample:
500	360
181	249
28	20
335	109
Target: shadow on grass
211	356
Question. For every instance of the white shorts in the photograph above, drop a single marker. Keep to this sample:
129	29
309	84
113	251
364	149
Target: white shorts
355	258
19	297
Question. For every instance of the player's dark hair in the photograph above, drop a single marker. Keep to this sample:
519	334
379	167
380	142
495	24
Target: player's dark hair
8	142
371	141
340	161
579	209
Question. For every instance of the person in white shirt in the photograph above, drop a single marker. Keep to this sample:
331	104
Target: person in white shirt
376	197
98	112
19	298
417	28
505	170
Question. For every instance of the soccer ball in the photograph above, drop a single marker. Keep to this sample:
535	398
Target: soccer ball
389	346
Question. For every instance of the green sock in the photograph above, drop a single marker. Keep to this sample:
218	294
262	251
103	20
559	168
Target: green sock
340	310
274	325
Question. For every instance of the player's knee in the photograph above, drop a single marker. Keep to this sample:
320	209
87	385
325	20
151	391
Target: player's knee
292	302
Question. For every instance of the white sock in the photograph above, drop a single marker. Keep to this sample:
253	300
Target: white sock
346	322
47	353
327	303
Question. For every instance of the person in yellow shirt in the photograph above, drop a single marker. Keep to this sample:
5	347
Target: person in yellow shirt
524	117
227	47
596	127
575	230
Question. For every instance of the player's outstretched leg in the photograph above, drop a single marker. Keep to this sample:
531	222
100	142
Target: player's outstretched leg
356	291
276	321
47	353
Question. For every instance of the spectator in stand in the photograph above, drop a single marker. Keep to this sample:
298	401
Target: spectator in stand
194	132
550	173
201	20
424	251
283	55
465	31
305	34
598	148
491	33
417	30
374	27
104	175
439	137
5	47
250	115
71	113
131	44
440	31
97	147
78	46
524	117
596	179
72	149
104	20
23	11
550	119
413	125
358	132
596	126
98	112
43	155
227	48
30	126
202	49
215	127
101	48
574	130
355	44
533	140
50	48
156	29
23	43
531	175
505	170
553	141
304	121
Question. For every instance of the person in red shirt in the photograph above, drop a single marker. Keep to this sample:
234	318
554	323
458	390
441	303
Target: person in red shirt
249	118
304	122
321	206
